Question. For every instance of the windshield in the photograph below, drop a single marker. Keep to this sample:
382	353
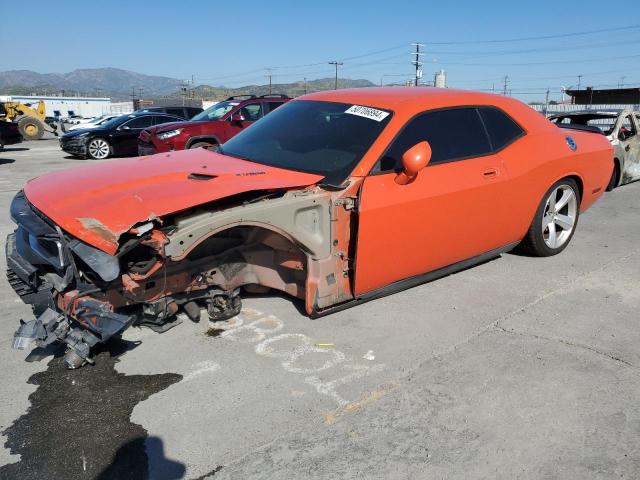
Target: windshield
114	122
215	112
324	138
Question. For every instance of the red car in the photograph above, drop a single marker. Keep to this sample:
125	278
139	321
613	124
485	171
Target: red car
214	126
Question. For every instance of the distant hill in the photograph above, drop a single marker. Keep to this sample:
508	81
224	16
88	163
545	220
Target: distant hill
294	89
117	83
89	81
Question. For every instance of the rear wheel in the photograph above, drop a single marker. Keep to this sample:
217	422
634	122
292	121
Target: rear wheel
203	145
555	220
615	176
98	149
31	128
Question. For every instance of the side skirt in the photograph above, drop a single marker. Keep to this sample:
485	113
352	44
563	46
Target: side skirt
415	281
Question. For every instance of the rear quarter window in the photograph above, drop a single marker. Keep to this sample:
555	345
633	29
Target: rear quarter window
501	128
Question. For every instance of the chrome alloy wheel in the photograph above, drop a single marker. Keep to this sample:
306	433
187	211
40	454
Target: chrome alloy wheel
98	148
559	219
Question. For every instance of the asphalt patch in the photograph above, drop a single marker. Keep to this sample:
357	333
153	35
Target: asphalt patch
78	423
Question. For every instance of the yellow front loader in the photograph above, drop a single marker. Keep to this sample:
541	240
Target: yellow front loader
31	121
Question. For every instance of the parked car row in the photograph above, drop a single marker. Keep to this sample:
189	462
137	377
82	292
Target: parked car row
335	198
162	129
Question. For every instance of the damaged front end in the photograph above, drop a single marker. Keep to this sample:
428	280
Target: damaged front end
297	242
82	296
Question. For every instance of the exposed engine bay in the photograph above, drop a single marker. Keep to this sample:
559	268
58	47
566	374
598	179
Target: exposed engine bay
297	242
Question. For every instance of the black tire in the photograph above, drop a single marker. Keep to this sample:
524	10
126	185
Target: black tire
534	243
615	176
202	145
31	128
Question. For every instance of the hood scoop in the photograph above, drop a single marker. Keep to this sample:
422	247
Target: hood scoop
201	176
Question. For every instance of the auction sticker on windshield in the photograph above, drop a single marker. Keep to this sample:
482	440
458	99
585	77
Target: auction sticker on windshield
367	112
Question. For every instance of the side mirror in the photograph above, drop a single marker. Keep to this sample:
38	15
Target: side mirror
414	160
622	135
237	118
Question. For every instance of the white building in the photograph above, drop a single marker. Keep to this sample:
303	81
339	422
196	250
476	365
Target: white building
440	79
66	106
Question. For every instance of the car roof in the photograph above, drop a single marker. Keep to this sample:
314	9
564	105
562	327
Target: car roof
397	98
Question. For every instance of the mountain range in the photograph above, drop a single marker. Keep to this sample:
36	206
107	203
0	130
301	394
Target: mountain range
118	84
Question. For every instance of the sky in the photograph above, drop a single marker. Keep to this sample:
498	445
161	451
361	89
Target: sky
232	43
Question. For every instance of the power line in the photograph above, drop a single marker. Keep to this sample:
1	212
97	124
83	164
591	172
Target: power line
555	62
541	37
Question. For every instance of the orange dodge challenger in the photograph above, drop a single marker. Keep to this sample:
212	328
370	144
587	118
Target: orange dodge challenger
335	198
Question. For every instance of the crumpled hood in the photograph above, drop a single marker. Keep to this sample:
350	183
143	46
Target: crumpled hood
98	203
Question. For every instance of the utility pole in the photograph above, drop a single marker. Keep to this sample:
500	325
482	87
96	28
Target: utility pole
134	100
579	80
417	62
183	91
621	84
505	81
305	85
269	75
140	92
546	102
336	64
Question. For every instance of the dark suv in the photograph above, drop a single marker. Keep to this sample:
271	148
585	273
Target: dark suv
214	126
183	112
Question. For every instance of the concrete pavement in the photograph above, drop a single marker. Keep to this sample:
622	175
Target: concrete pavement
517	368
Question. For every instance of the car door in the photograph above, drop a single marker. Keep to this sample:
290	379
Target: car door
630	147
125	139
452	211
251	112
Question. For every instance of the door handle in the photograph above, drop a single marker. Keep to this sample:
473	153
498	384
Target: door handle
627	148
490	173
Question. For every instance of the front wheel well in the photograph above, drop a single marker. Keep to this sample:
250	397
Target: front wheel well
249	255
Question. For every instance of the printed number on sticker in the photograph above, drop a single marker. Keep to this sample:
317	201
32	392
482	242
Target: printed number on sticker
367	112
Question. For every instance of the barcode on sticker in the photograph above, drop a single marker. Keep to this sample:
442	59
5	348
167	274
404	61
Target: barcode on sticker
367	112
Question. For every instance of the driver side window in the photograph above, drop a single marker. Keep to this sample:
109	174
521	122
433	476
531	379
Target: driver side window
628	128
252	112
453	134
139	122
